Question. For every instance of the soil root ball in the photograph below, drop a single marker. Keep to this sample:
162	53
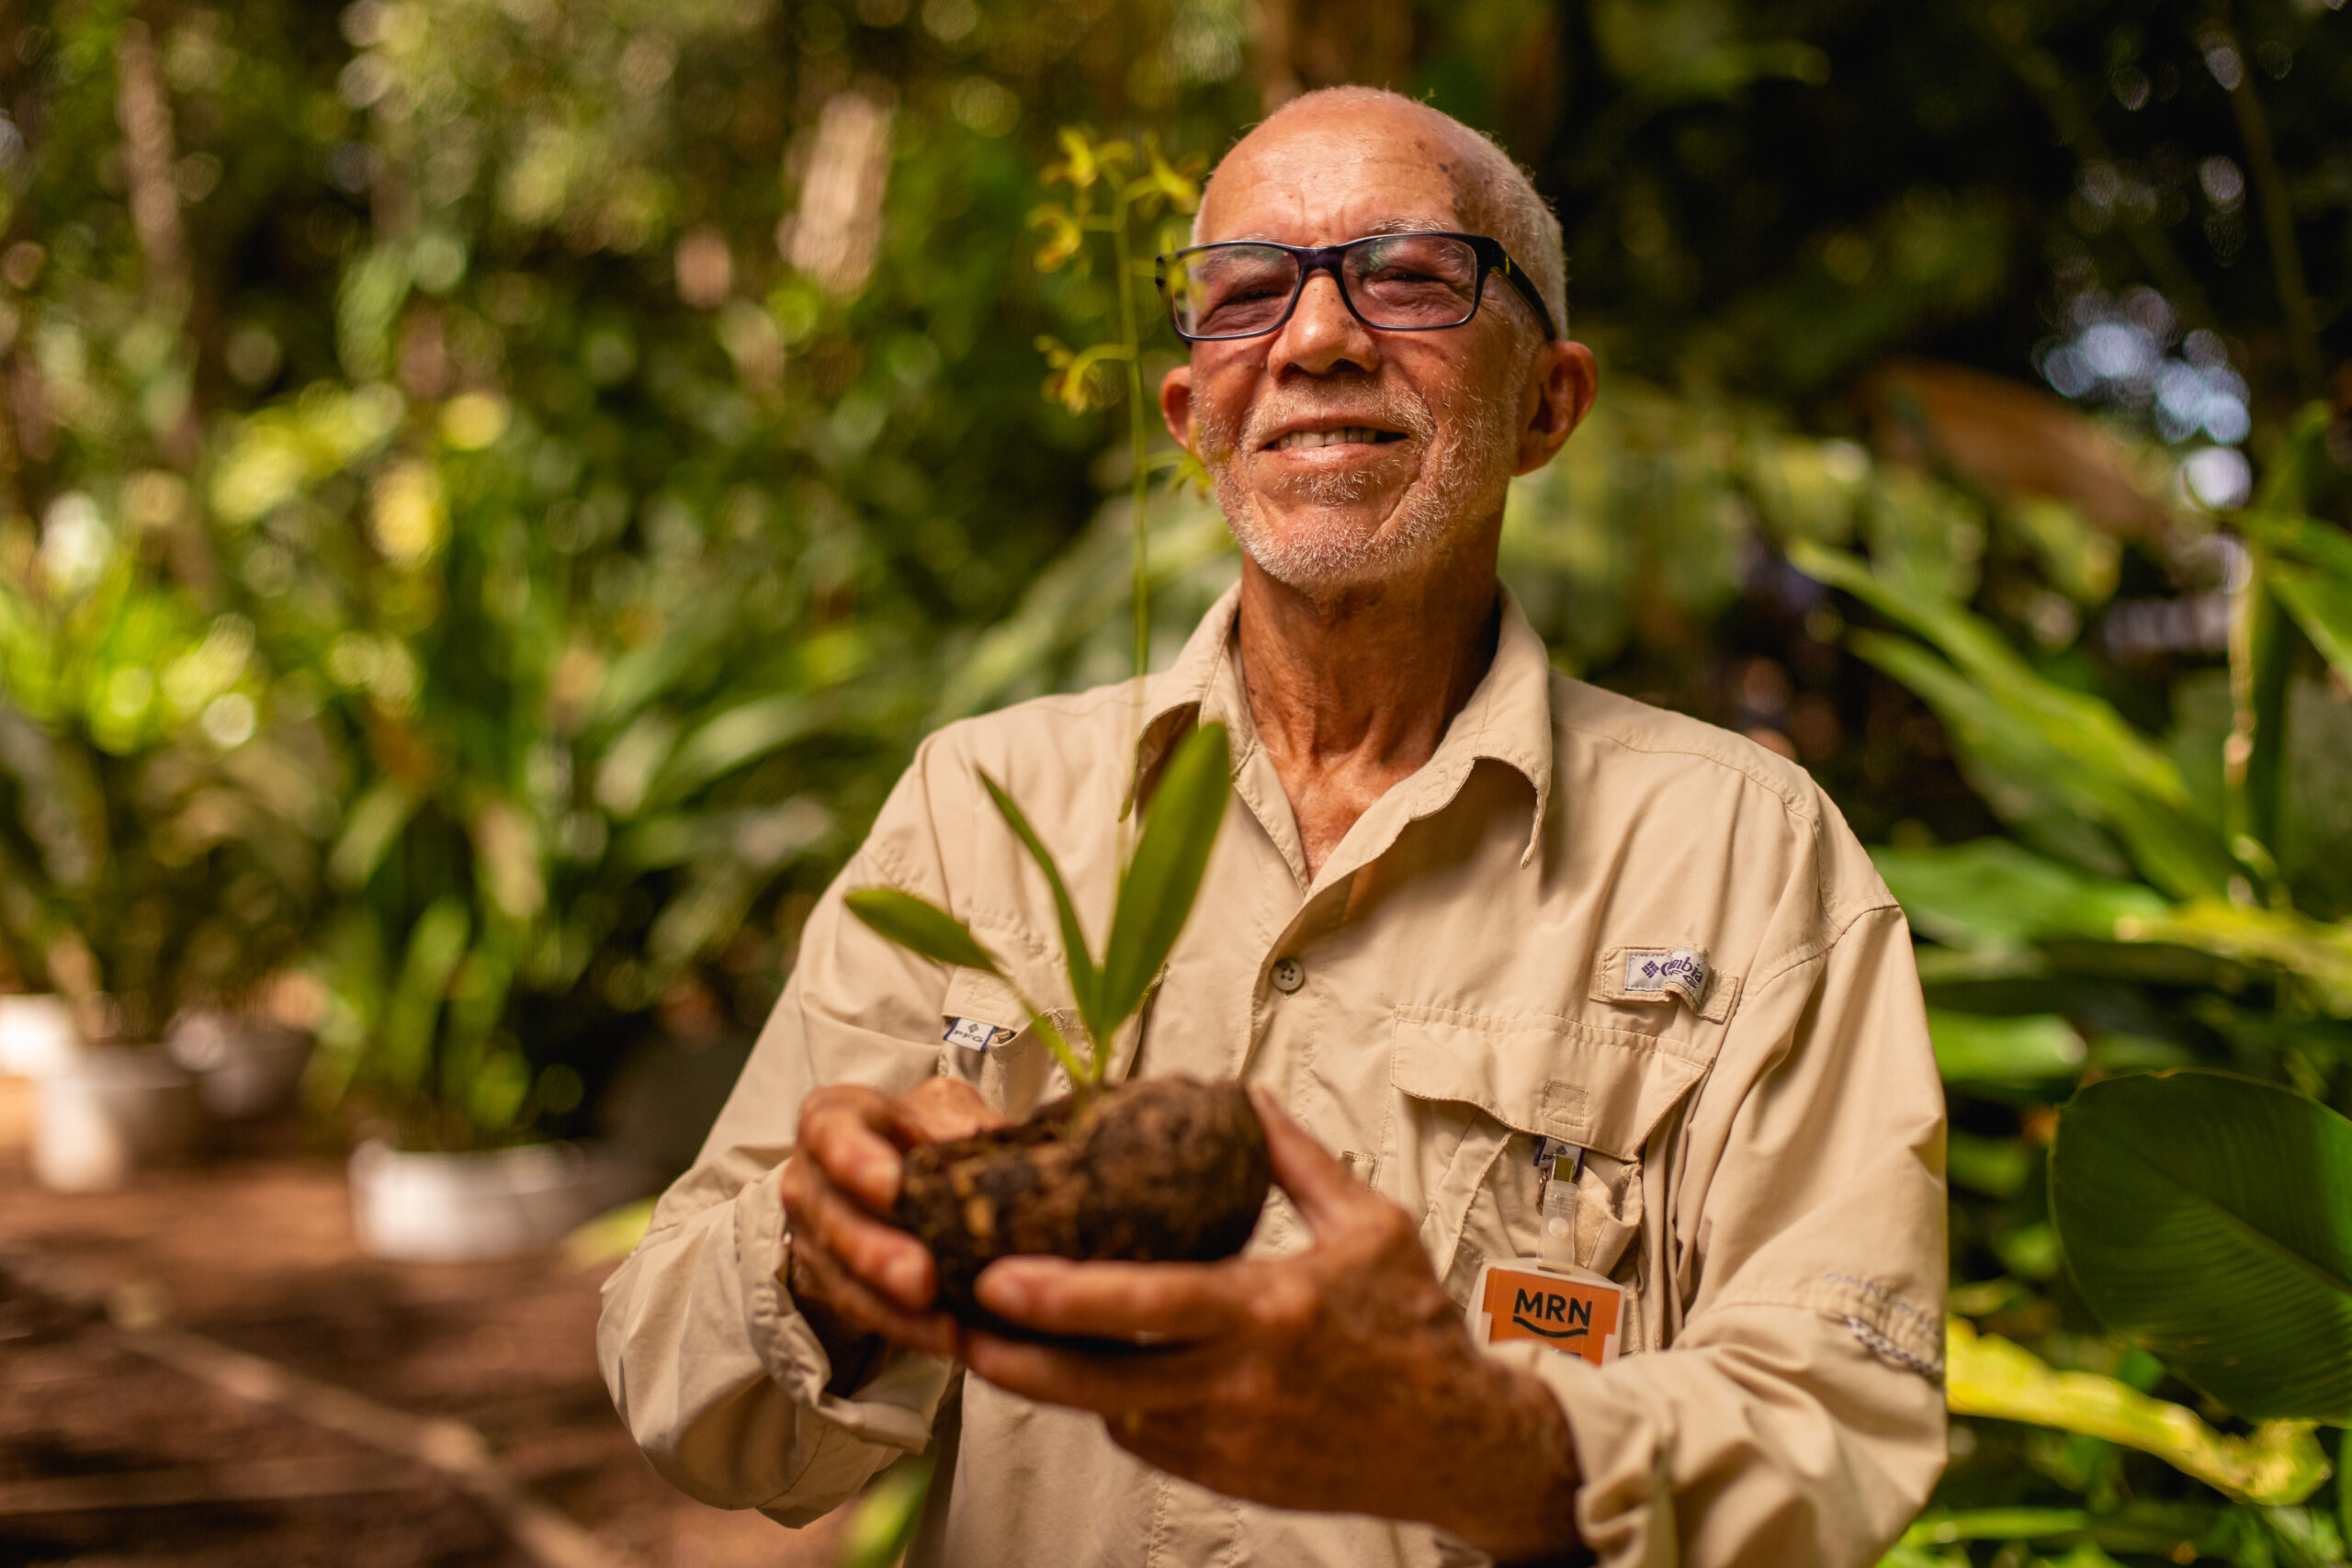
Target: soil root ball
1161	1170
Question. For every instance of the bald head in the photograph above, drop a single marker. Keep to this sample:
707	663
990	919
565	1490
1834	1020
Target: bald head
1491	194
1352	458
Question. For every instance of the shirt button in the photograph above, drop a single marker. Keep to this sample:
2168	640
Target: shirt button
1289	975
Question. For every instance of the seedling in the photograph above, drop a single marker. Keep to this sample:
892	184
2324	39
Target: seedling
1157	888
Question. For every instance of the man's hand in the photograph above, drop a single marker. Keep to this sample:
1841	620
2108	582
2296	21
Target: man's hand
1340	1380
853	1274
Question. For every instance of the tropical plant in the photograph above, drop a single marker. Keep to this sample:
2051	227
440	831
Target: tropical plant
2153	924
1157	886
1131	200
161	817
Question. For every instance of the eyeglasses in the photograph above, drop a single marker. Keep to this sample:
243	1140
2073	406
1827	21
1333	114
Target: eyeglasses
1397	282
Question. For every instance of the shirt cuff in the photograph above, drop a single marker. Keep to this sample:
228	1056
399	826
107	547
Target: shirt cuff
901	1393
1624	1489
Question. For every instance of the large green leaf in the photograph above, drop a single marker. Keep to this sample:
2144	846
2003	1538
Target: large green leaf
1993	893
2044	736
913	923
1085	980
1974	1047
2278	1462
1157	893
2317	953
2208	1218
2056	791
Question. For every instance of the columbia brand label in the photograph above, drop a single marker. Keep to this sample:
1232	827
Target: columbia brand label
971	1033
1658	970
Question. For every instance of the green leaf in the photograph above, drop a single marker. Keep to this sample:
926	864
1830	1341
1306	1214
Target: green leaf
2308	564
1085	981
2278	1462
2262	655
413	1015
1990	893
2318	953
2208	1219
1157	893
884	1520
1974	1047
2036	739
924	926
2079	727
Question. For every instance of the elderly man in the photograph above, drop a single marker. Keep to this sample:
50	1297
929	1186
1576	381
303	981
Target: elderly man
1525	976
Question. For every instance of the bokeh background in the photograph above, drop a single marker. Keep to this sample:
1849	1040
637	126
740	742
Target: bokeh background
493	491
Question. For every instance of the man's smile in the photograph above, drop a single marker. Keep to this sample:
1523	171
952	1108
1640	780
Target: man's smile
1344	435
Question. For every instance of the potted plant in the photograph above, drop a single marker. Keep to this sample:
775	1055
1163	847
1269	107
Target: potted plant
582	757
159	820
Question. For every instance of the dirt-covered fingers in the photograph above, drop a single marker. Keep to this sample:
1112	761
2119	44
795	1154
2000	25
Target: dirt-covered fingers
944	1108
1119	1301
1323	1191
865	1309
820	1217
849	1132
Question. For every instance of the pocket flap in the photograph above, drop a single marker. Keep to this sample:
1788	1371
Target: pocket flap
1543	1075
977	995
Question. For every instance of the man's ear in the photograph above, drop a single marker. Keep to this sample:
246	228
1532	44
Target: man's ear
1567	381
1176	404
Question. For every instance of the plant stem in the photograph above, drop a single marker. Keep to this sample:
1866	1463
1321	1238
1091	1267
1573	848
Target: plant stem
1138	431
1084	1077
2278	213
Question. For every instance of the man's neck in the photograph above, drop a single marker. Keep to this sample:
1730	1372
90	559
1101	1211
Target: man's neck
1352	692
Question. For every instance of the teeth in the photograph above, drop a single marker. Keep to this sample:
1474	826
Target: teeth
1353	433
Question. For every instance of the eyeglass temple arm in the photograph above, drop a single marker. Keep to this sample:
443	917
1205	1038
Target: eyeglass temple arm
1527	292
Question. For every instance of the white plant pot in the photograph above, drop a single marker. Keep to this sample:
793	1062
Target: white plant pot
245	1067
36	1035
454	1208
109	1112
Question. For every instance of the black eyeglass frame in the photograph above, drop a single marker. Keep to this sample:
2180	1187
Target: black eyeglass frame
1313	259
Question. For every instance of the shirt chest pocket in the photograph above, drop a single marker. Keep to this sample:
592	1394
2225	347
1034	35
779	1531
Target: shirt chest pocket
1474	1093
987	1041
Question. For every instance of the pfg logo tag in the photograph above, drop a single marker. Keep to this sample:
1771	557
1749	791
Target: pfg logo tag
1576	1315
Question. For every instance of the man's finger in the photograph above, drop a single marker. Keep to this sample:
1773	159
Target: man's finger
1109	1383
886	1258
1117	1301
846	1136
866	1310
1319	1185
944	1108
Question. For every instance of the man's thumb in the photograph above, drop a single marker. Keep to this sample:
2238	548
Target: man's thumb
1318	1184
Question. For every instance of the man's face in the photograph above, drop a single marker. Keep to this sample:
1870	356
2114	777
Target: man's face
1345	457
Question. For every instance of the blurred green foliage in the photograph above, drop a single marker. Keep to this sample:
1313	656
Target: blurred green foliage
491	490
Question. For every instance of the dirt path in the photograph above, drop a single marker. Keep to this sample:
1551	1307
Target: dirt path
109	1459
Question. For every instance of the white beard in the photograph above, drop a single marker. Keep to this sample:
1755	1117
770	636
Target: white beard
1318	551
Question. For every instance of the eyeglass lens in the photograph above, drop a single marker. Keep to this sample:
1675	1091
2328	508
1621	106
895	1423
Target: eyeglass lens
1403	281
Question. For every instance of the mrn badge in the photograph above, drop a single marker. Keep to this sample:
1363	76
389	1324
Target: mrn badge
1574	1312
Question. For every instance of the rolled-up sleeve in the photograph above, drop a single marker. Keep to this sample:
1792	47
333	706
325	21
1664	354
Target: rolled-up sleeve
716	1372
1798	1416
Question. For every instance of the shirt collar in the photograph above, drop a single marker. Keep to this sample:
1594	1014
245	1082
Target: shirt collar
1508	719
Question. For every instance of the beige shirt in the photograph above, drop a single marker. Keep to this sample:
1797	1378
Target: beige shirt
1764	1168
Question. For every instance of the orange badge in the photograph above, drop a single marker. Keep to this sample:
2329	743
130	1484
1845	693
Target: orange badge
1579	1316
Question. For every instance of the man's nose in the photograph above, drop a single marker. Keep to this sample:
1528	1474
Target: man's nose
1323	334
